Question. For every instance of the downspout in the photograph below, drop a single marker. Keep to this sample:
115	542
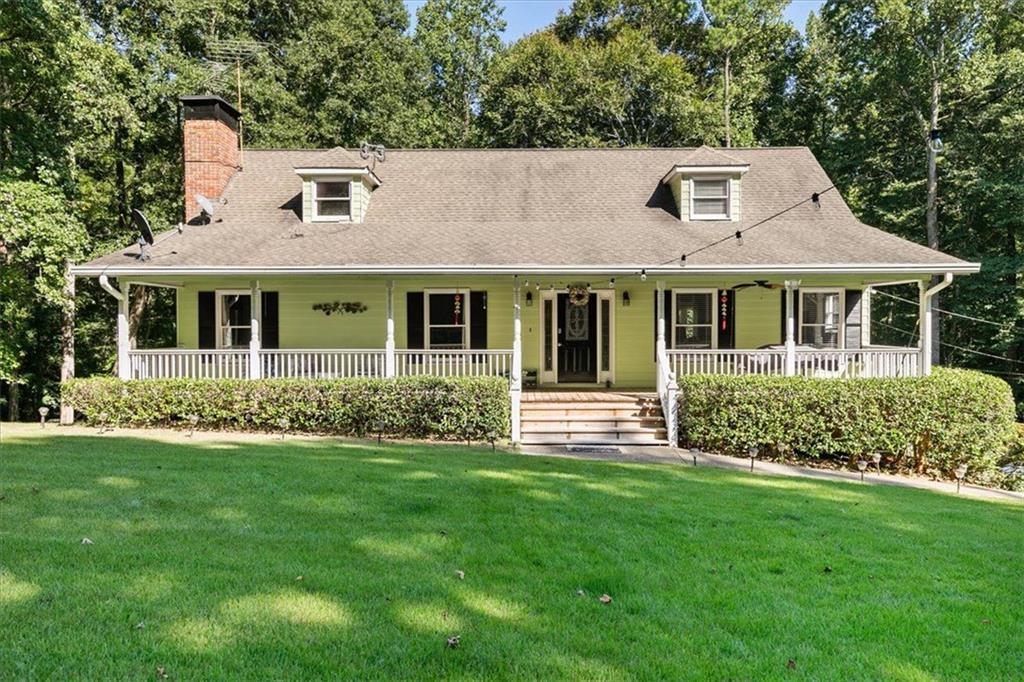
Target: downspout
123	361
926	321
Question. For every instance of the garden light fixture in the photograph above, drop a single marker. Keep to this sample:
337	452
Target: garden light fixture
193	421
752	454
693	453
862	465
960	472
43	411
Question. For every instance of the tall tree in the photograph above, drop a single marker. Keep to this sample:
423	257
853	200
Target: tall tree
458	39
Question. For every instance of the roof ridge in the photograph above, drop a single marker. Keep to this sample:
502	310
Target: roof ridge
310	150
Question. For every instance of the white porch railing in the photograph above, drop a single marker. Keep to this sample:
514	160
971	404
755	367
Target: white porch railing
825	363
667	392
451	363
322	364
177	363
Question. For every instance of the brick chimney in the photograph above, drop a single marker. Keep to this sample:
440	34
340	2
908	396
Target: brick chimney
211	148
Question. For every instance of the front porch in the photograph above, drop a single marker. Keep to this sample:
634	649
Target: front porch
624	333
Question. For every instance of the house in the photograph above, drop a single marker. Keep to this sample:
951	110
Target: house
555	268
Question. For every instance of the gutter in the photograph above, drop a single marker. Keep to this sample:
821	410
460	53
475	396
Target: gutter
527	269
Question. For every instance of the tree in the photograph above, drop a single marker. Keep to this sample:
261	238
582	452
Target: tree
458	39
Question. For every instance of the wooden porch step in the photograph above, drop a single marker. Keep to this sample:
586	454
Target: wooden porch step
598	418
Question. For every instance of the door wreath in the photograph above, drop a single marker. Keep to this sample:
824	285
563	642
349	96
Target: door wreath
579	296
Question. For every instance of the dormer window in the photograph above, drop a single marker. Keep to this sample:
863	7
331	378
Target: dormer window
332	200
709	199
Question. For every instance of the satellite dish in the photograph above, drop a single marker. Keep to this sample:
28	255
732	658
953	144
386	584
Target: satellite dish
205	204
142	224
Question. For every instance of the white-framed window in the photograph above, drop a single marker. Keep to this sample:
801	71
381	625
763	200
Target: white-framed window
332	199
821	317
447	316
234	319
709	198
693	318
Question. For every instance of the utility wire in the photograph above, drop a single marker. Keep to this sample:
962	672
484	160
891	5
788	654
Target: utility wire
815	197
947	312
951	345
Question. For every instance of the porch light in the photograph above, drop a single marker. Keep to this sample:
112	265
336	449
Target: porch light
862	465
625	299
935	141
43	411
960	472
529	299
752	454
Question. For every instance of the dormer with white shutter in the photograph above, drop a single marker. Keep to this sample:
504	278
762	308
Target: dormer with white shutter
337	187
707	185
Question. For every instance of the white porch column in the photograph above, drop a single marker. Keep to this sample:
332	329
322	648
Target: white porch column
389	333
516	380
255	342
790	329
924	321
124	368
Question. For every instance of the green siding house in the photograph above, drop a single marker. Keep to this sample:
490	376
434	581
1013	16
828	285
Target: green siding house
569	269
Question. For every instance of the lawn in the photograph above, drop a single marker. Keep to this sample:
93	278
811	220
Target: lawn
253	557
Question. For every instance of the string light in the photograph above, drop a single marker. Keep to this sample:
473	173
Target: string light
739	237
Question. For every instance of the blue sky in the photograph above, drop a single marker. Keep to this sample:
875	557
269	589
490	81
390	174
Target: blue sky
526	16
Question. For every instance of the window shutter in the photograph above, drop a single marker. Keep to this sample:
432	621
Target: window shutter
207	319
726	318
478	320
414	319
796	316
669	334
853	320
270	335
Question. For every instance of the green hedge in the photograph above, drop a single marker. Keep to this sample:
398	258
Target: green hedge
406	407
927	424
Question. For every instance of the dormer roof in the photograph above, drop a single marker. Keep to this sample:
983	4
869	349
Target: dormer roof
705	160
337	161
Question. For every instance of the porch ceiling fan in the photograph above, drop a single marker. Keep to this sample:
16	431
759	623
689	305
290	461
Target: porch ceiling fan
763	283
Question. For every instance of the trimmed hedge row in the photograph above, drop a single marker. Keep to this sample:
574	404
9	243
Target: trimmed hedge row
453	408
926	424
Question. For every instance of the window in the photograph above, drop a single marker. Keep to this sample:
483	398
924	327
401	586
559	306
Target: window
709	199
234	319
332	199
693	322
821	318
447	318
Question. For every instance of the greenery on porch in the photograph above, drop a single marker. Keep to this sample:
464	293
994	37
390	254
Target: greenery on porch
246	556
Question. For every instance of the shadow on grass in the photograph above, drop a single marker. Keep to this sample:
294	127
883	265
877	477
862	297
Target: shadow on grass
270	558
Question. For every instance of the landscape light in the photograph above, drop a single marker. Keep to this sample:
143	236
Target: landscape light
43	411
960	472
876	457
193	421
283	423
862	464
379	428
752	454
694	452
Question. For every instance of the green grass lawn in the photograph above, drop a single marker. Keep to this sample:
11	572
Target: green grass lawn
197	549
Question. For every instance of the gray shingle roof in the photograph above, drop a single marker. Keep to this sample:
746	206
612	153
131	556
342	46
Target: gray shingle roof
506	208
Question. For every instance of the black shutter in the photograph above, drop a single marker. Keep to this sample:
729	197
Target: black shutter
726	318
414	319
796	316
853	321
207	319
669	334
478	320
270	334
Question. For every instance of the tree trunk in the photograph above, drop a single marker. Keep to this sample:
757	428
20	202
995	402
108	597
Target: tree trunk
12	402
136	309
67	337
932	211
728	76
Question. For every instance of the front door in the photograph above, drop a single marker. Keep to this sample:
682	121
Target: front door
577	340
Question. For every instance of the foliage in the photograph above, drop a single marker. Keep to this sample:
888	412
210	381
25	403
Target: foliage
453	408
38	238
238	556
930	423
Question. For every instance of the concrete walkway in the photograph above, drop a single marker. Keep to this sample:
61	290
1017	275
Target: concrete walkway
675	456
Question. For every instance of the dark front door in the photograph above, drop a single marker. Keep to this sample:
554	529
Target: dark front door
577	340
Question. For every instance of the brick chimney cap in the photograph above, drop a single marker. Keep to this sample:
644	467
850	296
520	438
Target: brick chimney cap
199	100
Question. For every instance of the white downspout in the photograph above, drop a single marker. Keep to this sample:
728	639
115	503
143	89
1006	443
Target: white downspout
124	370
925	319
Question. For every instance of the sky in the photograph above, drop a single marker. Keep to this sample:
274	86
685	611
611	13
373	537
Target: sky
527	16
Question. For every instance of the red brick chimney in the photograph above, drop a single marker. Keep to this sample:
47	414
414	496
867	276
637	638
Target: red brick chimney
211	148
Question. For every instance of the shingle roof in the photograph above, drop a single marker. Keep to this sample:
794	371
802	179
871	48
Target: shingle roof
543	208
339	157
706	156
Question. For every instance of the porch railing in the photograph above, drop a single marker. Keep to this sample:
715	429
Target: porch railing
445	363
825	363
175	363
322	363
